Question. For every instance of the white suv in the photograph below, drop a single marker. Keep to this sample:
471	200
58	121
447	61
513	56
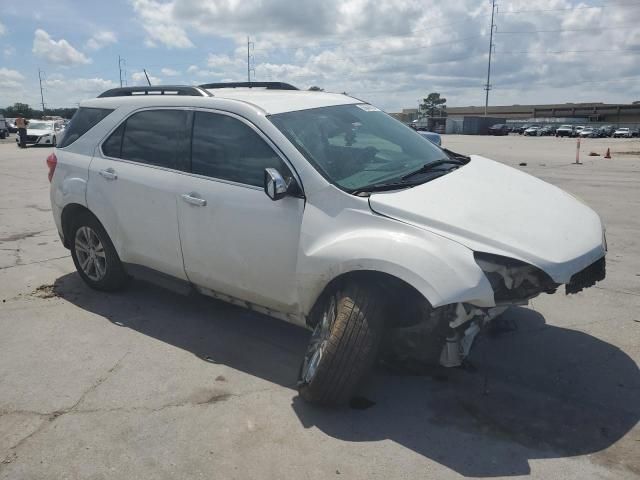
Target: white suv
318	209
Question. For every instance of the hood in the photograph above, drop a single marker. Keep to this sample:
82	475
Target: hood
39	131
490	207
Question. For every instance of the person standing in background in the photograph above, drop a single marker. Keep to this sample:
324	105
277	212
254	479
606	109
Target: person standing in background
21	125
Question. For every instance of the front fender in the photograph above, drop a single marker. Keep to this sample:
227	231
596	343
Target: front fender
442	270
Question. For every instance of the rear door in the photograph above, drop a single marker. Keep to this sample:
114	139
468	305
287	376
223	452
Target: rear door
235	239
133	187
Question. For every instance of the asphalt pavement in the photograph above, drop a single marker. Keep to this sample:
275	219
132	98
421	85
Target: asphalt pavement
149	384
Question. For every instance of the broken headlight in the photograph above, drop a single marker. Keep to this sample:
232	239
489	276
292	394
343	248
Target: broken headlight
513	280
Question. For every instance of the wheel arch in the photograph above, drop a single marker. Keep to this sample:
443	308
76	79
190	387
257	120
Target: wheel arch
397	289
69	213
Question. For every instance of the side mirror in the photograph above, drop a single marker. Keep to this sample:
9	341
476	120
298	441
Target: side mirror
275	186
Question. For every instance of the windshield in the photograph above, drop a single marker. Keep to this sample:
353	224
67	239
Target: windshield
566	126
39	125
355	146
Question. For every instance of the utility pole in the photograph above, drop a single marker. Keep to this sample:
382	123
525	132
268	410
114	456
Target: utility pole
145	74
487	87
41	94
248	60
120	68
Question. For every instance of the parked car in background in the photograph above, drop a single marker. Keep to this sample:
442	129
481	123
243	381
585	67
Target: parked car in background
499	129
578	129
623	132
43	132
547	130
532	131
433	137
347	222
589	132
520	128
12	125
4	127
607	130
565	131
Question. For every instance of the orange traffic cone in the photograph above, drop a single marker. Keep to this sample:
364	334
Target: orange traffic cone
608	154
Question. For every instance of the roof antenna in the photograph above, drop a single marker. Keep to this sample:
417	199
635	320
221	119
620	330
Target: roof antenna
145	74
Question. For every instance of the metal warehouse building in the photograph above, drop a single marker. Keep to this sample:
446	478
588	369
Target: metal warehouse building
612	113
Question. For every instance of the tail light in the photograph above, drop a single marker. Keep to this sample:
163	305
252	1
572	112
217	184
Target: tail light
52	161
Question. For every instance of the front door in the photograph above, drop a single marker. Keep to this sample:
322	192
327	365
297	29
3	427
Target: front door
236	240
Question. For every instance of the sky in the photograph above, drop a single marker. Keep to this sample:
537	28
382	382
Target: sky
390	53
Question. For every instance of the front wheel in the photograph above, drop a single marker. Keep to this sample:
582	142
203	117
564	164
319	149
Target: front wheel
94	255
343	345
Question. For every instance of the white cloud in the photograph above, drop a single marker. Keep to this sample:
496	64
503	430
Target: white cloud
169	72
79	88
9	51
3	29
140	79
10	79
58	52
156	18
392	53
101	40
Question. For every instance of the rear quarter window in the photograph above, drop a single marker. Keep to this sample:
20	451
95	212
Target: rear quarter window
83	120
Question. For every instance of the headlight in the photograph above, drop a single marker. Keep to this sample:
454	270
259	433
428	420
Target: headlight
513	280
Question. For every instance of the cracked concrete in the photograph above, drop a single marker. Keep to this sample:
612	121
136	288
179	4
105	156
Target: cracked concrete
96	385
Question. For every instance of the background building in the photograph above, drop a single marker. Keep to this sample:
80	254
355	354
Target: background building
614	113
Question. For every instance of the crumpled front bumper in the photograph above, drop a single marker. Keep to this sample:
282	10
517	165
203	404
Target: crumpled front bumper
588	277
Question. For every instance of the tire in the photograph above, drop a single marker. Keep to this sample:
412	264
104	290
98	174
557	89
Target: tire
87	235
344	344
54	142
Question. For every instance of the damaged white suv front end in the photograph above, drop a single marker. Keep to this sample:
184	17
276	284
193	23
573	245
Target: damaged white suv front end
528	237
449	241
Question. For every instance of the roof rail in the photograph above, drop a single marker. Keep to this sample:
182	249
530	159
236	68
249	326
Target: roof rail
155	90
267	85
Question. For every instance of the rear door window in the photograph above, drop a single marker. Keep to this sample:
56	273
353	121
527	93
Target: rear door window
83	120
154	137
226	148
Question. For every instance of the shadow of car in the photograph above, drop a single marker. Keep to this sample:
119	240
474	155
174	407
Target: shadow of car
535	390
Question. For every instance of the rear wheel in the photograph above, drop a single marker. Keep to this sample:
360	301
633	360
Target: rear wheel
94	255
343	345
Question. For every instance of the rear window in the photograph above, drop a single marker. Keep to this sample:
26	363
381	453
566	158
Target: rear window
83	120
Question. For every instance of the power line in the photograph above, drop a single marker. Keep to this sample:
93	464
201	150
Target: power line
560	52
568	9
591	29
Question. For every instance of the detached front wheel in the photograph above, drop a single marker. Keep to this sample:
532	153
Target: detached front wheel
343	345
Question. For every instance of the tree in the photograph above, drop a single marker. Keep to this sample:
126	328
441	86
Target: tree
19	109
433	106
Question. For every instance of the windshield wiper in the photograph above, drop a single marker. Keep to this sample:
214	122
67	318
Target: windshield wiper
433	166
381	187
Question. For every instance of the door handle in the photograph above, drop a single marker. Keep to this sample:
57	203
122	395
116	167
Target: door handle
109	174
193	199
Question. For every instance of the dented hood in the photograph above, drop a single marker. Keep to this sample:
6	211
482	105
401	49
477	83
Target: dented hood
490	207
